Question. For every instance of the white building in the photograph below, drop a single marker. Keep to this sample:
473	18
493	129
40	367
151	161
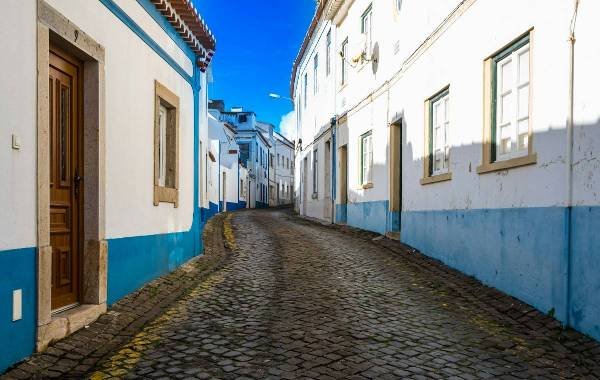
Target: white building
284	169
447	125
254	149
281	164
103	134
227	177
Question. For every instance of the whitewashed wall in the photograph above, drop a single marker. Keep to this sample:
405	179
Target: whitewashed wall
398	36
18	94
130	117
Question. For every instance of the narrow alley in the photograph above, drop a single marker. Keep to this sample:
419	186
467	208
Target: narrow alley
296	299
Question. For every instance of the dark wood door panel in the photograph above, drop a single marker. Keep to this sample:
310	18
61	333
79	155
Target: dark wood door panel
65	154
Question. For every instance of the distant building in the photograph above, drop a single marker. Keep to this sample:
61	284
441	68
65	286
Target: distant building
254	154
228	178
467	129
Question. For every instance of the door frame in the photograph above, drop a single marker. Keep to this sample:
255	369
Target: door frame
56	31
395	176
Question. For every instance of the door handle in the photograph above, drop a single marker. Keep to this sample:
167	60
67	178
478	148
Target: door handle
77	181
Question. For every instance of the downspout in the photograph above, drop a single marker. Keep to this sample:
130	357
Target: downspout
333	166
570	127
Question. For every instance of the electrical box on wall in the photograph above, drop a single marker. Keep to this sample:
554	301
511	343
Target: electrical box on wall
17	305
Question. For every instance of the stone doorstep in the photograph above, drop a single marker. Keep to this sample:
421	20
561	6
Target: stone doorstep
66	323
393	235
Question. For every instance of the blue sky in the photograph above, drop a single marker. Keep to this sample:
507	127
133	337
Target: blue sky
257	42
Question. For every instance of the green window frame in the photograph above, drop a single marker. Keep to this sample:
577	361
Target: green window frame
366	141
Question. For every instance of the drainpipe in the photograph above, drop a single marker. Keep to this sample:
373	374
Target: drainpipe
570	127
333	167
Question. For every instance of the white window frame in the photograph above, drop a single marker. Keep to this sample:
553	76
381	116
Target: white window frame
509	116
440	149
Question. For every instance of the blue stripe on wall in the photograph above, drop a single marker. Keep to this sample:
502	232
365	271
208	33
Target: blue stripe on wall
232	206
585	270
520	251
341	213
370	216
134	261
17	271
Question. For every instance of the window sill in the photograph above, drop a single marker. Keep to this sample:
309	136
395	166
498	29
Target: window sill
367	186
530	159
166	195
436	178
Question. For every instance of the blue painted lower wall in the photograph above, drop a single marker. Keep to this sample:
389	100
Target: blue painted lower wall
519	251
341	213
585	270
370	216
17	271
207	213
232	206
261	205
523	252
134	261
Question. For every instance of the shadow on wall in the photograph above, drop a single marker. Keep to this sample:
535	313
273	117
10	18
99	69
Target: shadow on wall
509	228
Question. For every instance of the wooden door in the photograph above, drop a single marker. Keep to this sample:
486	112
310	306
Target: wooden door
65	178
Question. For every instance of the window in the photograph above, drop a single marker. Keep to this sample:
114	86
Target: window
315	173
271	160
366	159
316	74
244	154
511	100
439	116
367	28
256	146
344	71
328	53
278	160
305	89
288	162
166	146
436	158
242	118
507	139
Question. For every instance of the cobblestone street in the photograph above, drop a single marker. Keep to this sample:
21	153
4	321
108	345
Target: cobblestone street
300	300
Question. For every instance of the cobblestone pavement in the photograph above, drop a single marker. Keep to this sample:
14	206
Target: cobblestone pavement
302	300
